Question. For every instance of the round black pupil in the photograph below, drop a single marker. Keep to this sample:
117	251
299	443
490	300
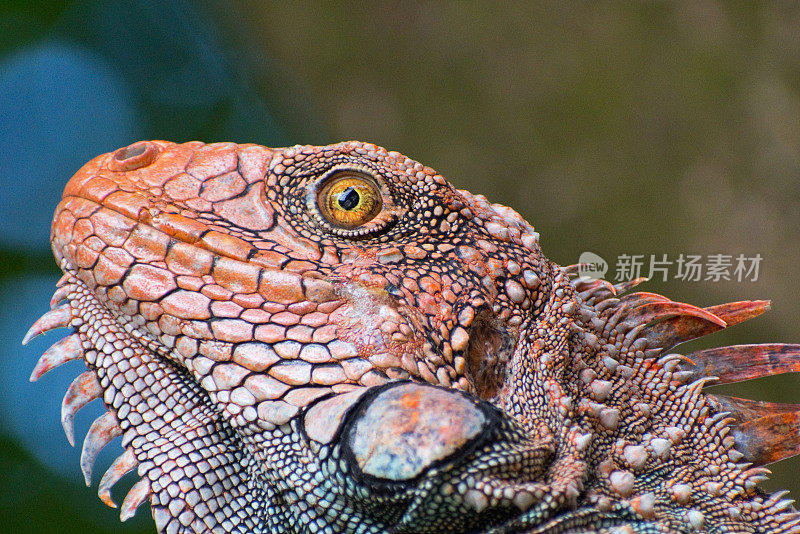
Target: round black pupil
348	199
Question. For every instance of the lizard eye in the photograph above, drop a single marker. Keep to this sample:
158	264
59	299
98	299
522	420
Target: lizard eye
348	200
352	202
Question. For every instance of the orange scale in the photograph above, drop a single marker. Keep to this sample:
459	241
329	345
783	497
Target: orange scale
182	187
411	285
281	287
315	319
429	285
95	243
325	334
286	318
85	257
212	160
232	330
302	308
330	306
82	230
237	276
199	205
79	207
107	271
151	311
226	245
112	228
225	308
303	334
145	283
216	292
223	187
130	204
267	258
197	329
214	350
63	226
253	162
187	305
147	244
170	325
180	227
256	316
248	300
270	333
116	294
191	283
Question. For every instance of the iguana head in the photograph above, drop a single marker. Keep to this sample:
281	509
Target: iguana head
337	338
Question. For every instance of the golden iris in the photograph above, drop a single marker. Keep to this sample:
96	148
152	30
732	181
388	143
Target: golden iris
349	200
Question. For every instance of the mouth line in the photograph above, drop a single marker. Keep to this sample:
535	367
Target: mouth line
135	209
179	248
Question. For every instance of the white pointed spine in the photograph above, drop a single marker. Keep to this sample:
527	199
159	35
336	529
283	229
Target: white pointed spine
124	464
61	352
59	317
84	389
103	430
136	496
60	294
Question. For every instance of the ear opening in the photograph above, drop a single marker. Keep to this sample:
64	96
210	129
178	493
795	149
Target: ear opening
491	345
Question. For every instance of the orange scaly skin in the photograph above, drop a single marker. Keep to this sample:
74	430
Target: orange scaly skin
334	339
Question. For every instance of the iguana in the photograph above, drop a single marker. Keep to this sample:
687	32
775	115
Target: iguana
335	339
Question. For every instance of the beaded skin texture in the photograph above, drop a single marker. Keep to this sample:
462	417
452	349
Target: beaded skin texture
335	339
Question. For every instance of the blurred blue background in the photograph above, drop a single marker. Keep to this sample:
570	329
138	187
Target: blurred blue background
652	128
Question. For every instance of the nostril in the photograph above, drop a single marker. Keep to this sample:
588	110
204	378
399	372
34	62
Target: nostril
129	152
133	156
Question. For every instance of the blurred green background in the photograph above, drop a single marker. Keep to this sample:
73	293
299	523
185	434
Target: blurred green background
617	128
